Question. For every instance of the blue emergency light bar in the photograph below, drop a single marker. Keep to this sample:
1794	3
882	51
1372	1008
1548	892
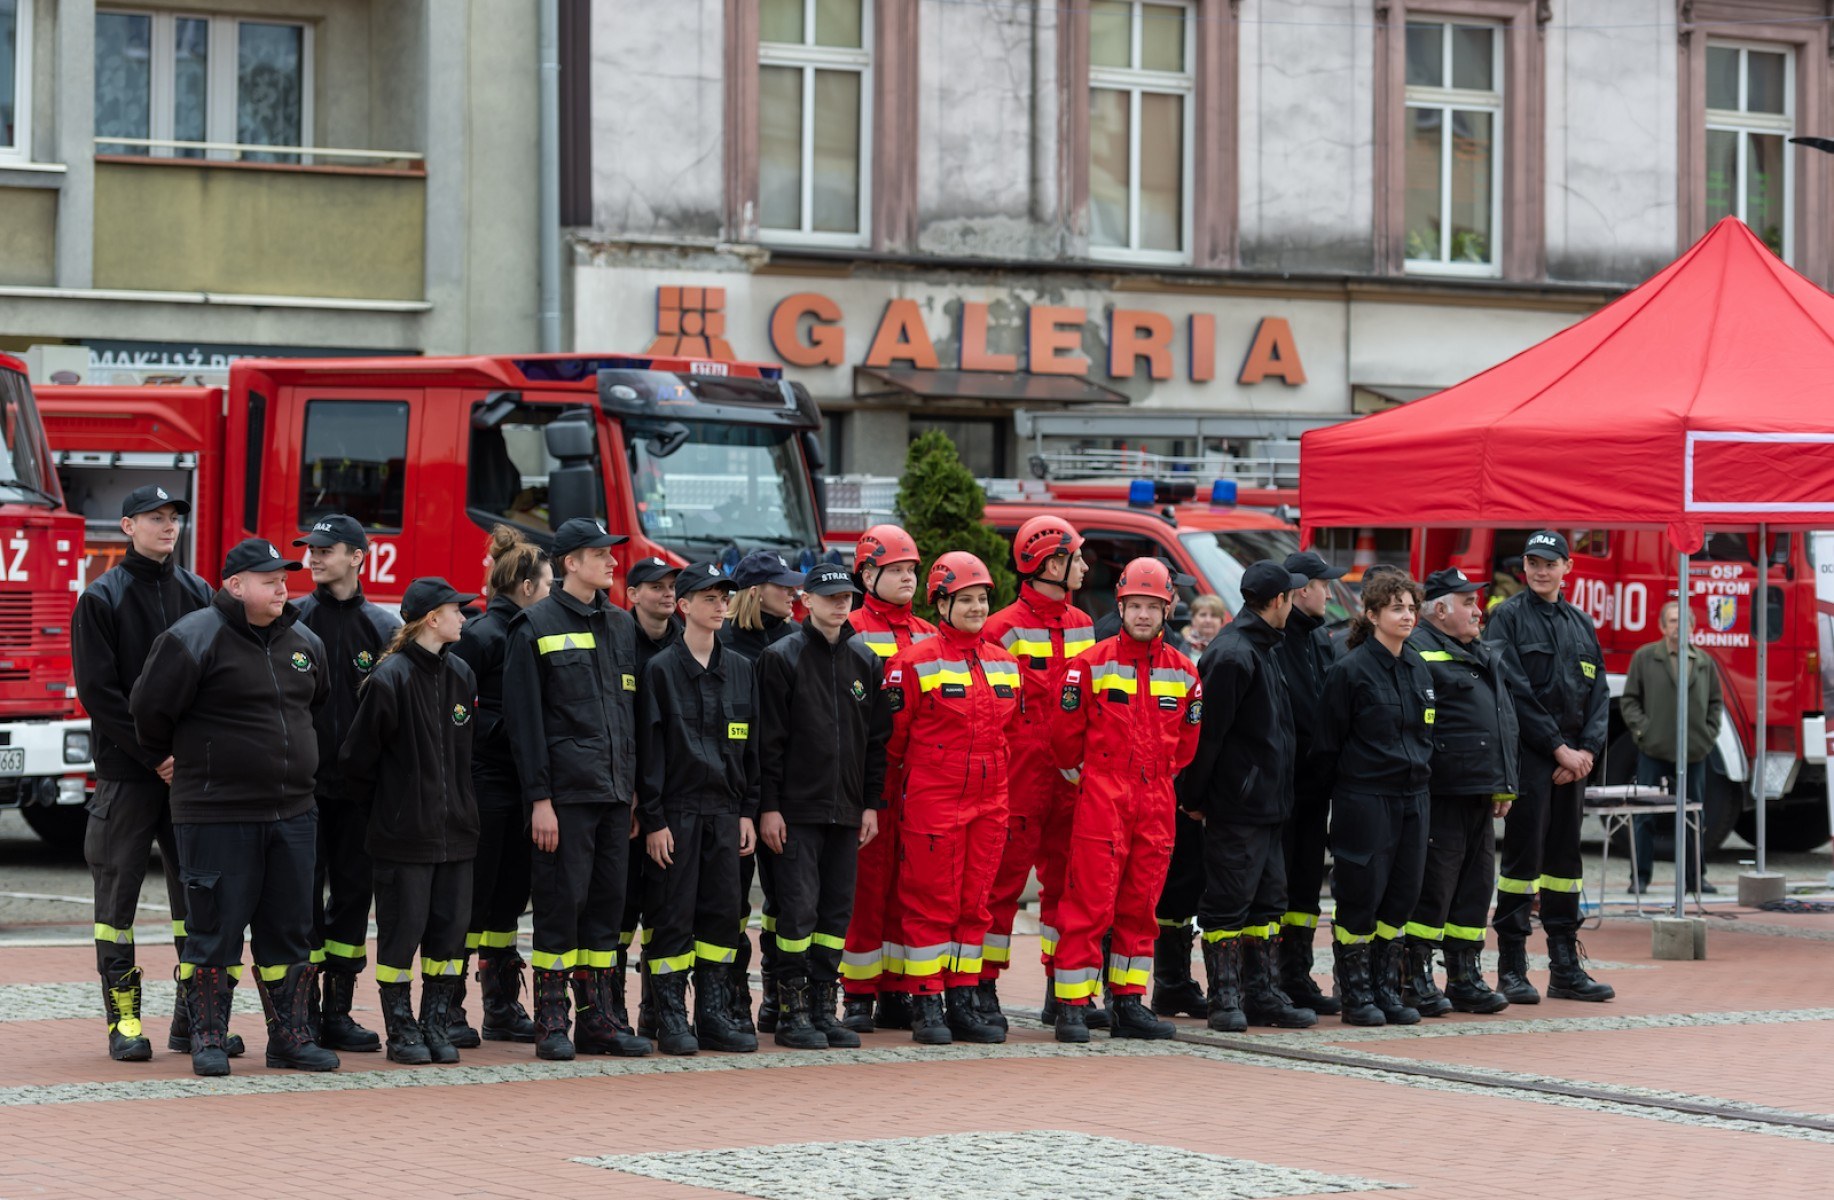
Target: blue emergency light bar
1222	494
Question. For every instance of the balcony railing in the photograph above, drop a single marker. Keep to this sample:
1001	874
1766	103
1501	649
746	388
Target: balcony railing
217	152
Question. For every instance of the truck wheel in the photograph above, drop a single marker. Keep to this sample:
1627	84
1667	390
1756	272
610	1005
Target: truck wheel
60	825
1797	829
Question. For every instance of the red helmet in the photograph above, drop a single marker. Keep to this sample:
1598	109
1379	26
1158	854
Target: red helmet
954	571
883	545
1146	577
1041	538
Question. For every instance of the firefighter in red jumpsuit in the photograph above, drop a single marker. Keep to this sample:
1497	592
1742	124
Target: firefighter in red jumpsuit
955	702
1044	630
886	561
1128	715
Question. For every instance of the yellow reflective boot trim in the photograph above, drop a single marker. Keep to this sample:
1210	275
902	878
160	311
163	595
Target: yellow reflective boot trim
766	922
1344	937
597	960
270	974
565	641
794	945
186	970
315	957
647	935
234	972
708	952
1515	887
1465	933
671	964
1427	932
345	950
1553	883
626	937
1386	932
1303	920
120	937
432	968
497	939
388	974
1267	932
1173	924
829	942
473	941
543	960
1217	935
178	929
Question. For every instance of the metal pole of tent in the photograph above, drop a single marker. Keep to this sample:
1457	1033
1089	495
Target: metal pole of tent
1758	782
1681	744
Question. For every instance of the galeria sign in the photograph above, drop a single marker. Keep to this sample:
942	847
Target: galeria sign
808	330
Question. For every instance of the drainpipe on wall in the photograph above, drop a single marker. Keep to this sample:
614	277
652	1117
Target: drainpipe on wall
548	217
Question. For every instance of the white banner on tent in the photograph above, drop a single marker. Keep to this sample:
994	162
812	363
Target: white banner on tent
1824	628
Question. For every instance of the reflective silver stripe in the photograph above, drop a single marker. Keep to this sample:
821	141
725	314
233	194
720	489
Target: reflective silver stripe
1173	675
1085	975
940	665
917	635
1120	962
997	941
1110	670
999	672
1036	643
1048	933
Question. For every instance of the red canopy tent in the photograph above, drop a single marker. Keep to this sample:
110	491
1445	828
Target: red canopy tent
1702	399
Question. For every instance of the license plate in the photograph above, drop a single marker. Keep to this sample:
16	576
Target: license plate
12	760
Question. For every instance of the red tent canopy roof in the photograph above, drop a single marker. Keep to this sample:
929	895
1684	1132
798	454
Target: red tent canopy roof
1703	398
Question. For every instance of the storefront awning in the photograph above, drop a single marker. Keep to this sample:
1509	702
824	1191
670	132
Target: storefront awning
1000	387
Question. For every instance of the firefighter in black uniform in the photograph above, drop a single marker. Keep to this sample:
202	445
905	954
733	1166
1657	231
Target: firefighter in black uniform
117	618
519	575
697	794
569	683
823	723
355	633
1305	653
1374	746
1474	781
649	585
1550	650
1240	785
226	704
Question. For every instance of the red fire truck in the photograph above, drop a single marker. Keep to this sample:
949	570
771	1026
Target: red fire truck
44	742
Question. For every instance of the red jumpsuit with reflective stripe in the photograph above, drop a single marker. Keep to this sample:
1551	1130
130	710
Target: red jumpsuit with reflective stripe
870	961
954	700
1044	635
1128	713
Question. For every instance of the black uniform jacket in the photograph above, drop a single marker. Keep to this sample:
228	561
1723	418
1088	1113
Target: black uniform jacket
408	756
649	647
1556	670
117	618
484	645
569	693
822	727
1375	723
1476	751
1243	772
233	705
697	749
753	642
355	633
1305	654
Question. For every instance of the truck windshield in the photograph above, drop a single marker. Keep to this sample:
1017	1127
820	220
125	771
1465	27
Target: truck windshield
724	485
23	478
1224	554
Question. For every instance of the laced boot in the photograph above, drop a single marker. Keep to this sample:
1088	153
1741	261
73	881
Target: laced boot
1175	993
1263	1002
1354	989
500	995
596	1027
1418	989
127	1041
1385	982
178	1039
769	999
738	1000
669	1003
1223	964
1294	952
1465	985
714	1027
929	1023
1567	977
405	1045
821	1016
963	1013
289	1036
988	999
458	1028
793	1029
436	1017
553	1012
208	997
336	1028
1129	1018
856	1012
1512	972
894	1011
1069	1024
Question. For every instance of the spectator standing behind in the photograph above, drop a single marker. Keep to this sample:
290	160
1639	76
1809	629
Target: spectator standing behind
1648	705
1207	616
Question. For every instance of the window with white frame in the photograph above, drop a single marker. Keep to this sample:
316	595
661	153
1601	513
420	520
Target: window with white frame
1141	80
15	80
1454	173
165	78
1751	106
814	120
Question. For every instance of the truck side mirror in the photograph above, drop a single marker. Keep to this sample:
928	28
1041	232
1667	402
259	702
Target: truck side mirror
570	438
573	491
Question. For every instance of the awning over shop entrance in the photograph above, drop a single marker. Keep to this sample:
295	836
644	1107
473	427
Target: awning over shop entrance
999	387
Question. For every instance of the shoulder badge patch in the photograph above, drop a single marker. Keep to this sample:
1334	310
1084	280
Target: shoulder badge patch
859	691
1194	715
364	661
1072	698
300	661
894	699
460	714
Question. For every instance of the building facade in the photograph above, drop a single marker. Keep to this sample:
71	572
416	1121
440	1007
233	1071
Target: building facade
182	185
1267	214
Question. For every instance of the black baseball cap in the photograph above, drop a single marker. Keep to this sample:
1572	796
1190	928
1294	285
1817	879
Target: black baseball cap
765	566
152	496
329	531
1266	580
1545	544
698	577
649	570
829	579
1450	582
583	533
256	556
1313	566
425	595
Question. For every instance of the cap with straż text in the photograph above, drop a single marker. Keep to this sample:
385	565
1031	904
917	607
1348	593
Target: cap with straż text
1545	544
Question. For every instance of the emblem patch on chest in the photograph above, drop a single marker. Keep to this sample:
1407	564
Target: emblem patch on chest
300	661
859	691
460	714
363	661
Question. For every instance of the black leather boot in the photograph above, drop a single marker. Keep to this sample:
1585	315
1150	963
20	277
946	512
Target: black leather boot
127	1041
405	1045
1566	972
714	1027
965	1021
1175	993
646	1003
821	1016
1418	989
1385	962
1351	964
436	1018
596	1027
289	1037
793	1029
1069	1024
1048	1011
929	1024
669	1002
553	1013
1263	1003
337	1030
178	1039
768	999
989	1000
894	1011
500	996
1512	972
1294	954
856	1012
458	1026
1223	964
1129	1018
208	997
738	1001
1465	985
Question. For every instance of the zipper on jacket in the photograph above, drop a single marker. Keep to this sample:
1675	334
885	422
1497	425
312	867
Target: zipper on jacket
286	748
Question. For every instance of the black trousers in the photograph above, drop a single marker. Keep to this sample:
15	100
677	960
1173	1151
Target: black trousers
340	922
633	895
691	906
1378	844
762	865
253	875
1184	879
499	878
1304	838
1541	853
424	907
578	888
813	884
126	819
1244	880
1460	864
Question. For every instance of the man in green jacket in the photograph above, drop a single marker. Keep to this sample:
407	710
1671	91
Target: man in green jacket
1648	705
